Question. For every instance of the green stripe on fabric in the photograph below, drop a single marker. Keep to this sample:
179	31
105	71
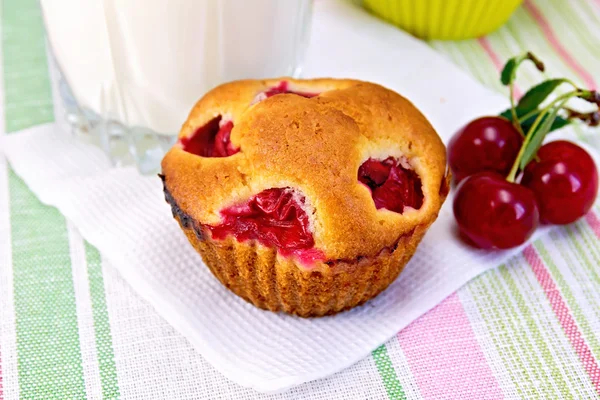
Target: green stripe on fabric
510	35
540	342
27	90
491	318
517	336
567	293
489	74
589	9
518	318
509	338
582	261
592	244
104	346
48	352
469	56
562	17
531	37
388	374
576	269
48	355
576	34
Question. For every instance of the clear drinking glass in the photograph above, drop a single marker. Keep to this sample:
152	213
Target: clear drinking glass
129	71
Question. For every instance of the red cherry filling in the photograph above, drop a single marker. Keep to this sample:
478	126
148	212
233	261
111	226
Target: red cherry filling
275	218
211	140
392	186
283	88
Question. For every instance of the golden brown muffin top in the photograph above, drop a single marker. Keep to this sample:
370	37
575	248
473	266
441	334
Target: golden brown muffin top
315	146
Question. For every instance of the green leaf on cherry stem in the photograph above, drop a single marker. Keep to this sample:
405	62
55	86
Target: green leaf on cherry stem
537	137
559	122
509	72
532	100
537	94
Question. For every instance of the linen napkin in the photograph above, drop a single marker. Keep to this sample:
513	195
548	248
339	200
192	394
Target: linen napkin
125	216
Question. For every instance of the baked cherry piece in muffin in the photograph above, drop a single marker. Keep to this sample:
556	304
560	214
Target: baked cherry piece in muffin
305	196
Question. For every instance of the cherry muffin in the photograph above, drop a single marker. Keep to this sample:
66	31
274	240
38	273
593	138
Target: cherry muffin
305	196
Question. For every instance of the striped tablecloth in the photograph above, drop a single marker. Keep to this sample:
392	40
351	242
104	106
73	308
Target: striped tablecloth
70	328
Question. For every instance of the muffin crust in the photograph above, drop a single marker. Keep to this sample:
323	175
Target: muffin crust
315	146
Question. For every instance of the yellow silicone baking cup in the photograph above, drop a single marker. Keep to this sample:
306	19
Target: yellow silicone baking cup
445	19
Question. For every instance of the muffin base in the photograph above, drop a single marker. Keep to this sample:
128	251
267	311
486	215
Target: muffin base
272	282
262	277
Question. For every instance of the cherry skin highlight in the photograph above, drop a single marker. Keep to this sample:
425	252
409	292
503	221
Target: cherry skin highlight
485	144
393	187
564	181
213	139
274	217
493	213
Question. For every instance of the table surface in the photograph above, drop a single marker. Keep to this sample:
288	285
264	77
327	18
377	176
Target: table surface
70	327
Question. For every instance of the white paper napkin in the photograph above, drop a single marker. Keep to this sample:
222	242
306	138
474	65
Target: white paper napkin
125	216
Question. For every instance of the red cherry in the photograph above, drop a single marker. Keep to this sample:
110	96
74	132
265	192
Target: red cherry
485	144
564	181
494	213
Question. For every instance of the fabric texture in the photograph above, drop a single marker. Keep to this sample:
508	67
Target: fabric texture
71	327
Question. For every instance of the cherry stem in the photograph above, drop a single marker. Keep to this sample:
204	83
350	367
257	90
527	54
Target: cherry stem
528	115
563	99
513	109
535	111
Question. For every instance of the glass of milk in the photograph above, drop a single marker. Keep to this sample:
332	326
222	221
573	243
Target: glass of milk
129	71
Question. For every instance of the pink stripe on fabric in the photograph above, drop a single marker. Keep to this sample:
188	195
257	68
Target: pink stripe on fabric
445	357
496	60
593	221
564	315
560	49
